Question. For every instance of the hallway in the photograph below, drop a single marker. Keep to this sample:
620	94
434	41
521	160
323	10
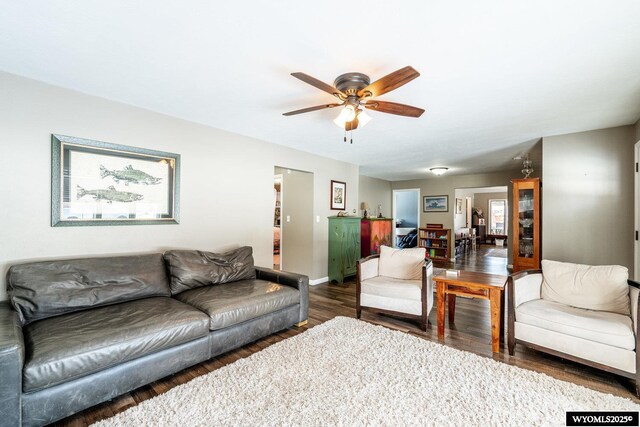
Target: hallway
487	259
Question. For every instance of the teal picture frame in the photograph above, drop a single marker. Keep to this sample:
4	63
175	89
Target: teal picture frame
95	183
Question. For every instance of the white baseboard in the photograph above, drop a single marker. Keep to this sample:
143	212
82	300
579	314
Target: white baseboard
318	281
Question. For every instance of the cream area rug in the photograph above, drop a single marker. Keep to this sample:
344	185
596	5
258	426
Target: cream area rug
346	372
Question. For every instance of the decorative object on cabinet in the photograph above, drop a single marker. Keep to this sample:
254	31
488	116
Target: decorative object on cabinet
364	206
380	212
527	168
437	242
526	224
338	195
374	233
435	203
344	247
98	183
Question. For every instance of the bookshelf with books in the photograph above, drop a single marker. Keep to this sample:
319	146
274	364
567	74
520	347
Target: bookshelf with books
437	242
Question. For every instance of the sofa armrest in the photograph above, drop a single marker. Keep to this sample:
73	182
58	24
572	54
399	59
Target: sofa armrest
427	285
11	362
634	299
521	287
368	267
525	286
298	281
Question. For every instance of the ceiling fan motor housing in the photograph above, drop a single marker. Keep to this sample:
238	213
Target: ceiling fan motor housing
351	83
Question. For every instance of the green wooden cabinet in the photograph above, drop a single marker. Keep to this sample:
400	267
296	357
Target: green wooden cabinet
344	247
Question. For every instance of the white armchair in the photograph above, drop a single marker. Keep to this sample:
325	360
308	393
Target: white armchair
396	282
588	314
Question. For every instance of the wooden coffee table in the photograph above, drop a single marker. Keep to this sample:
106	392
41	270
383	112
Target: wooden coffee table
474	285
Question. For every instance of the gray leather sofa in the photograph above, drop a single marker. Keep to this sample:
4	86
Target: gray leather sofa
75	333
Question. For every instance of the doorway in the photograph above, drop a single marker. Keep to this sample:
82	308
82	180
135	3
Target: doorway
277	195
293	221
406	213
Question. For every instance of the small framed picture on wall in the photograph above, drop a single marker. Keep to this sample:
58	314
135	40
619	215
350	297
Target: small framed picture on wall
435	203
459	206
338	195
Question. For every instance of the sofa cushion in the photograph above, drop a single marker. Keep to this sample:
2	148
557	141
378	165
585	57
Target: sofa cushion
402	263
392	288
599	326
232	303
602	287
193	269
44	289
66	347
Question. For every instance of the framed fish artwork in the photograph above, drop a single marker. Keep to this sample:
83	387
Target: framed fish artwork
99	183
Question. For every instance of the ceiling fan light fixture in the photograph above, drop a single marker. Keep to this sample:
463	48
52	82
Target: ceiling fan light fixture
347	114
363	118
440	170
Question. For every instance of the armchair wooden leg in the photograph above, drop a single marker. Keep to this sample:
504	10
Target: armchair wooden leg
304	322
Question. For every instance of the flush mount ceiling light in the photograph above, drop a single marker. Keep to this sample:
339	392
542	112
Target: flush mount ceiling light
439	170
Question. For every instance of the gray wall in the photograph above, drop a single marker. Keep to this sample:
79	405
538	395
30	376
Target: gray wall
447	185
637	128
588	197
296	255
226	181
481	200
375	192
407	208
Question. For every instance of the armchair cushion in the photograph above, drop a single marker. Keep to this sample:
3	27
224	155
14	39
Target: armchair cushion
403	264
602	288
600	326
392	288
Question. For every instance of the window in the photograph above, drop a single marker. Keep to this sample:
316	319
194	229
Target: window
497	216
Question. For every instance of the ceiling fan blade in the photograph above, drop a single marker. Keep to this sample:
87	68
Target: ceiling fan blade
317	83
390	82
352	125
394	108
306	110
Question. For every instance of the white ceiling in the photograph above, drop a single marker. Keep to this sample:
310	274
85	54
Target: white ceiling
496	75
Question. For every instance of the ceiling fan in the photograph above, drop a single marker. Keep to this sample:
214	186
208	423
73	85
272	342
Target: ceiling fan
355	91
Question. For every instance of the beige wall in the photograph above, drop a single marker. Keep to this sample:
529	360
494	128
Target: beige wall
375	192
637	128
226	181
588	198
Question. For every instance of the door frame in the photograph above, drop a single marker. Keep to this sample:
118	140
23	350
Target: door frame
393	211
636	216
276	176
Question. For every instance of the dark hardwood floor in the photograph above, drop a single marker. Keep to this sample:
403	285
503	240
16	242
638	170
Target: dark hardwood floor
471	332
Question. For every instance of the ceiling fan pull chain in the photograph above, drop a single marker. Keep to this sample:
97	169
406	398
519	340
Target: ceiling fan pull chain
351	136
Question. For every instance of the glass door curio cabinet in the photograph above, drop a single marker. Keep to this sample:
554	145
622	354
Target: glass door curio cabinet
526	224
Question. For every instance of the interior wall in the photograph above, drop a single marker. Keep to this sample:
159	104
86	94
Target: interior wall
460	219
481	200
375	192
637	131
446	185
588	198
407	209
296	221
226	180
